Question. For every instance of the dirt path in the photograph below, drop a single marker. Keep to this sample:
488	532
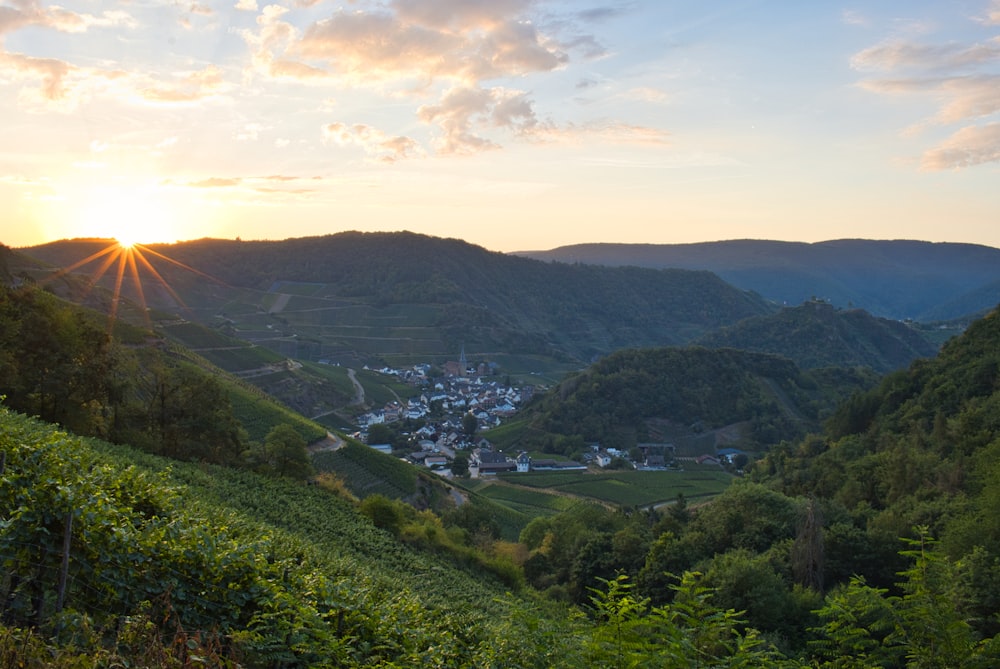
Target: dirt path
330	443
279	304
359	390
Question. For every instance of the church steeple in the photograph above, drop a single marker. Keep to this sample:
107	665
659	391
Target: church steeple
462	361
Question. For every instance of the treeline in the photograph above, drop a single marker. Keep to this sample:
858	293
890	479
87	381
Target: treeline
618	399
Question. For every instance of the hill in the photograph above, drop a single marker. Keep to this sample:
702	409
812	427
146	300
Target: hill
357	297
816	334
696	398
72	366
899	279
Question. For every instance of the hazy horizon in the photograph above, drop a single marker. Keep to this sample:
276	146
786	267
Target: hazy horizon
514	124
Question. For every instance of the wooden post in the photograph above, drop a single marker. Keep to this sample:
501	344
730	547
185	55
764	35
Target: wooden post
64	571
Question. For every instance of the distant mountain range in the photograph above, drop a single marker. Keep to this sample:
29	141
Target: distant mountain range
898	279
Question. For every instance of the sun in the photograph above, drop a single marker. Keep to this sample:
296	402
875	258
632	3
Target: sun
128	214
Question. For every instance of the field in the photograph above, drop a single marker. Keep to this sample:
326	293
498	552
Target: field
620	488
530	502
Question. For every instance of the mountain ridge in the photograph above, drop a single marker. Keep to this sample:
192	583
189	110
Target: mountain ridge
900	279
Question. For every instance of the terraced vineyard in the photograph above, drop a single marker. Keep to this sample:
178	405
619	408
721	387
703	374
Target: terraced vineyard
368	472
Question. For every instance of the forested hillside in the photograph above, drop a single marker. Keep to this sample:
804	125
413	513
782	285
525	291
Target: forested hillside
393	294
72	366
920	449
817	334
676	394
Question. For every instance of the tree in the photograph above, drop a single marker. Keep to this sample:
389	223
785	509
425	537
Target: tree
460	465
470	424
380	433
286	452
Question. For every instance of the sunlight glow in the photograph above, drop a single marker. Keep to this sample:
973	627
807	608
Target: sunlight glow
130	214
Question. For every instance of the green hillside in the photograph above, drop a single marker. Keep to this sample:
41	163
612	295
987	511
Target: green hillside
355	297
816	334
682	395
66	365
243	566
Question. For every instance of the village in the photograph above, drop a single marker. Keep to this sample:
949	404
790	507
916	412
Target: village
441	429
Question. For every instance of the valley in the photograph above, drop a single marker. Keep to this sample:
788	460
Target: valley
805	465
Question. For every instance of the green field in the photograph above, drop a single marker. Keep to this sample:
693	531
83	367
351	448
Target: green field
527	501
626	488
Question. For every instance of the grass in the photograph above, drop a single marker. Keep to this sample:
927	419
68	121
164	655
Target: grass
382	389
528	501
625	488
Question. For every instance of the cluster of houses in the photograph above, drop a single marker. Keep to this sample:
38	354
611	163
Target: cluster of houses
445	403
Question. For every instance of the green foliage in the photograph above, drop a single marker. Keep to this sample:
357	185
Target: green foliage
691	631
925	626
623	488
816	335
368	471
58	362
627	396
284	453
234	566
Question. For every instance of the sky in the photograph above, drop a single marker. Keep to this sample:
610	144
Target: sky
512	124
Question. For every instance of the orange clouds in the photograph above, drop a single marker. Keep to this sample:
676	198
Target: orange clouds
963	80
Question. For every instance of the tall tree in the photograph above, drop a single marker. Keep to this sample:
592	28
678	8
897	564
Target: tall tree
286	452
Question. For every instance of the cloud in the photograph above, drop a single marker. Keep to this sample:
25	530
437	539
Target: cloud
970	97
447	50
960	98
460	15
187	87
215	182
246	5
375	143
971	145
53	74
32	13
992	16
249	132
601	14
899	54
853	17
605	132
962	81
464	110
456	40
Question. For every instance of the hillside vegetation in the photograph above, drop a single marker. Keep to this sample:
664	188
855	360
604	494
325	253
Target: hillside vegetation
116	557
71	366
680	395
355	295
816	334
